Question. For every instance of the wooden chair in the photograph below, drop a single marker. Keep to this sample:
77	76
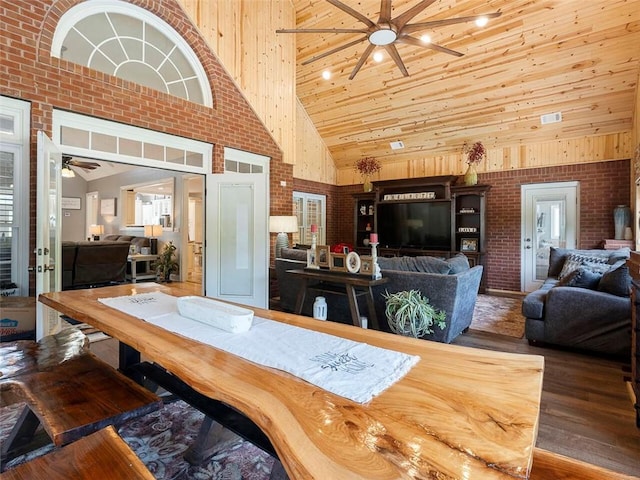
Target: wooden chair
102	454
552	466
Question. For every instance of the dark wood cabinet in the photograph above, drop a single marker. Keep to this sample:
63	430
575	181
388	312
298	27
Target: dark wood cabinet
401	212
634	270
364	219
469	224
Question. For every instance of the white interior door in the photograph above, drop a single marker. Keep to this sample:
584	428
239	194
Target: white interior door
549	219
237	238
48	246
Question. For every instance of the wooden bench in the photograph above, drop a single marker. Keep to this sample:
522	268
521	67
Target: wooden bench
552	466
102	454
67	389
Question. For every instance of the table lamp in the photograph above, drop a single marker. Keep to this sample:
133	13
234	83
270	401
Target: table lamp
96	231
153	231
282	225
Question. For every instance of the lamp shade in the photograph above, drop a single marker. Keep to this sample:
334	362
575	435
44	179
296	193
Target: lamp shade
283	224
152	230
96	230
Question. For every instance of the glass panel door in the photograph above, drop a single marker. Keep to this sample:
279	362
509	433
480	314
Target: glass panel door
549	219
48	245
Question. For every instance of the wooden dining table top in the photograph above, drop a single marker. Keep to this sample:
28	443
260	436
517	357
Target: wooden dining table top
460	412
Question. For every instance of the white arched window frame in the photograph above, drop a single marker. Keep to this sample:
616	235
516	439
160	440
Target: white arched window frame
154	55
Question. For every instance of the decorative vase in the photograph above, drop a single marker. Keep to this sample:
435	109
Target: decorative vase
368	186
471	176
621	220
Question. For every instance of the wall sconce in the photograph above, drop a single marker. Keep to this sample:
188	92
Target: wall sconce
153	231
282	225
96	231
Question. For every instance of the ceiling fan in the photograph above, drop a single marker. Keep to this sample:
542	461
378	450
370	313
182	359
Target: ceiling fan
387	31
68	161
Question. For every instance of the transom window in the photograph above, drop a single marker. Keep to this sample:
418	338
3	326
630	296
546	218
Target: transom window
131	43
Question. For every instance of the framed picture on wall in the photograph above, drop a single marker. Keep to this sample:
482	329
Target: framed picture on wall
468	244
108	206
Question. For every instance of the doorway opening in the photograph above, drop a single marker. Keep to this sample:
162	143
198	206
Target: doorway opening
549	219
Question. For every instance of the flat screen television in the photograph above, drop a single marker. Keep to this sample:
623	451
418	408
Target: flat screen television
424	225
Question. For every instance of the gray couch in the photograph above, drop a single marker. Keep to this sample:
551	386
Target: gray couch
91	264
450	285
584	303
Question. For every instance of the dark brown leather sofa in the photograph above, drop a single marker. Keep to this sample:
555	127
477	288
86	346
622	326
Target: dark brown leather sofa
92	264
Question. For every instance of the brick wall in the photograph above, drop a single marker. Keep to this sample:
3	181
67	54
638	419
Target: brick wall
29	72
602	186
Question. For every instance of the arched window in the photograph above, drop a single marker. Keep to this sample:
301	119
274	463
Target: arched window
131	43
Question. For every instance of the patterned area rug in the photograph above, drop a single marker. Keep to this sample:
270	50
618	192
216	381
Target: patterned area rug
161	438
500	315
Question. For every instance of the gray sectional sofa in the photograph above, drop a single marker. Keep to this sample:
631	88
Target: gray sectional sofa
584	303
449	284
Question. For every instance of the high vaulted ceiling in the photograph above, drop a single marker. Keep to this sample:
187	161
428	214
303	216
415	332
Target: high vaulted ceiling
580	58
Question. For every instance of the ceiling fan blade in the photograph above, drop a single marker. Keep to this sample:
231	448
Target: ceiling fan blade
363	58
402	19
85	165
385	11
352	12
321	30
447	21
335	50
393	53
406	39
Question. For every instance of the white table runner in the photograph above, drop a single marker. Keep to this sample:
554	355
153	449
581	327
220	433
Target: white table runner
354	370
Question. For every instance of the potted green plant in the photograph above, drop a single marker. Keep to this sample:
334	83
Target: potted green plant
410	313
166	263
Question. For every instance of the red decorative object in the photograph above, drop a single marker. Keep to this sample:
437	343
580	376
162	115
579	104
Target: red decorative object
475	153
367	166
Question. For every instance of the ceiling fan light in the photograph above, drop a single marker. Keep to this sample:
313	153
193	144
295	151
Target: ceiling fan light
425	38
384	36
66	172
482	21
378	57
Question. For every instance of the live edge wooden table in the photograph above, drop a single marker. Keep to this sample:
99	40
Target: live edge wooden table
352	285
460	413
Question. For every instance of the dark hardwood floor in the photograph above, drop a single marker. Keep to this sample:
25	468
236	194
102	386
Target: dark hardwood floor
586	409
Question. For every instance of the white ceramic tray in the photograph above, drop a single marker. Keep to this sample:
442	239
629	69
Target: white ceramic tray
216	314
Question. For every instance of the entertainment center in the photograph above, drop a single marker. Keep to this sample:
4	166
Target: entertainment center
423	216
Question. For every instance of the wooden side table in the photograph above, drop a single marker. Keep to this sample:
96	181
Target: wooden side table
134	276
347	284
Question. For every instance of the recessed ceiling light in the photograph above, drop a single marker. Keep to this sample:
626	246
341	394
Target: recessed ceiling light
425	38
326	74
482	21
378	57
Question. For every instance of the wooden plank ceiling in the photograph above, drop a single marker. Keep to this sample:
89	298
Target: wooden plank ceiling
580	58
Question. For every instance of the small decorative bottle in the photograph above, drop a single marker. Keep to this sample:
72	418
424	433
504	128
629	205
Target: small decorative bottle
320	308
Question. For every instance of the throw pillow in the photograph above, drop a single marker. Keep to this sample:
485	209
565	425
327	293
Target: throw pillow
575	260
582	277
458	263
616	280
